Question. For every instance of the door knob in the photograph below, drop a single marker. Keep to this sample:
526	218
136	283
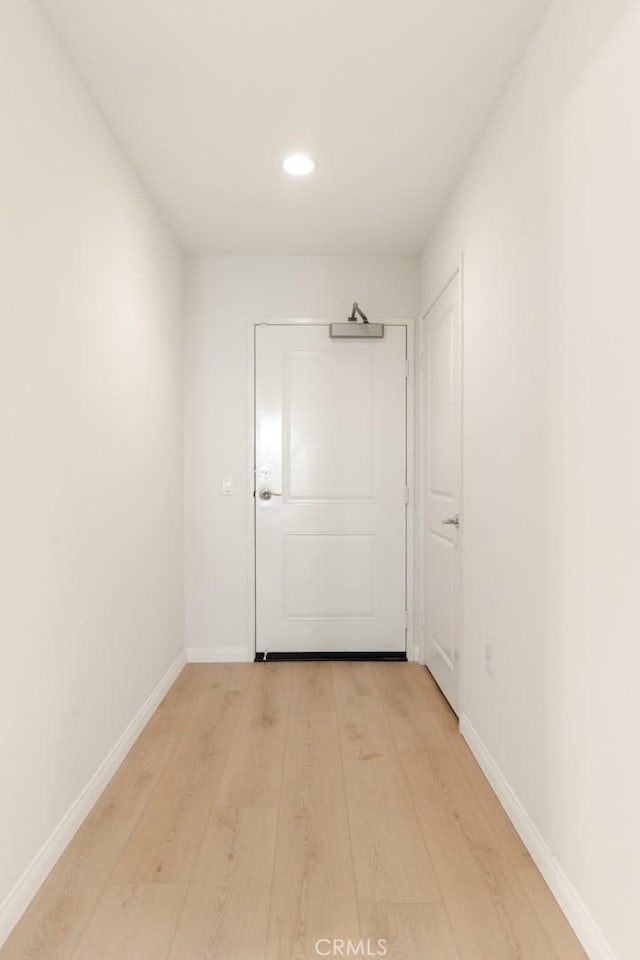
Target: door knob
453	521
266	494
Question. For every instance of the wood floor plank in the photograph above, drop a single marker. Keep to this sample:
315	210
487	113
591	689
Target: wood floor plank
253	772
491	916
407	697
447	719
165	843
312	689
313	883
51	927
226	910
132	923
409	931
506	835
550	915
390	856
412	712
177	707
338	830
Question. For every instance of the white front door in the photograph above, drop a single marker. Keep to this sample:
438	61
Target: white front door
330	462
441	413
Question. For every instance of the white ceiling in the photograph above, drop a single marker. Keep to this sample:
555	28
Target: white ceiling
389	97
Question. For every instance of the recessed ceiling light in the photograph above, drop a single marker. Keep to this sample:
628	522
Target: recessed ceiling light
298	165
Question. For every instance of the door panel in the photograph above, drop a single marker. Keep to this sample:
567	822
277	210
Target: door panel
330	576
441	410
342	387
440	563
440	401
331	442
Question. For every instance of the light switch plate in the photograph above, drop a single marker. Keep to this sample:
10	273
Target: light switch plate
227	486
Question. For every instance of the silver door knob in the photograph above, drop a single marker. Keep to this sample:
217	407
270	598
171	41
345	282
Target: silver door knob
266	494
452	521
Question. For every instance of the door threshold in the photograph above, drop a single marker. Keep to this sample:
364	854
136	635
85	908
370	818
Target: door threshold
380	655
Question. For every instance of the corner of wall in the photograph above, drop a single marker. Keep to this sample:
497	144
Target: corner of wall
569	900
27	886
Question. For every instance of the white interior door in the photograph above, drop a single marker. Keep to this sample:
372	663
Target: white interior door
331	451
441	410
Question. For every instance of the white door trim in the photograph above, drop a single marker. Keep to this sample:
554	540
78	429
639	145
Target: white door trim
455	276
409	323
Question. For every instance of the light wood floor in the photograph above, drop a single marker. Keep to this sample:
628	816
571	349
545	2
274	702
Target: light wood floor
267	806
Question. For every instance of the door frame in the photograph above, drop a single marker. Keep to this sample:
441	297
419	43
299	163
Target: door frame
456	275
410	587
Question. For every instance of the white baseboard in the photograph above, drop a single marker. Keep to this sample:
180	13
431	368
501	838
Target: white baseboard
218	655
568	898
38	870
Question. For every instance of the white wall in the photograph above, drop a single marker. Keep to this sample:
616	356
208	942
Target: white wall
548	217
222	293
91	605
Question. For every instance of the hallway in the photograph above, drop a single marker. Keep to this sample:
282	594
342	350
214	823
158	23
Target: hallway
279	811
